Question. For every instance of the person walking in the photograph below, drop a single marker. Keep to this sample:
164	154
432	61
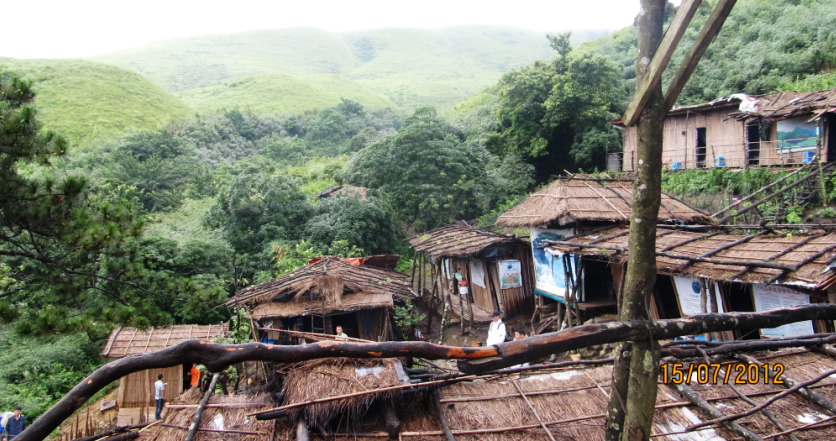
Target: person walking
15	425
159	394
497	332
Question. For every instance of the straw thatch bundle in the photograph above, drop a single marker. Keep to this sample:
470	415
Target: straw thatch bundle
327	287
233	417
336	376
457	240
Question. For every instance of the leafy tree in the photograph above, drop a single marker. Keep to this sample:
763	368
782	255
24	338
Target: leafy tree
430	172
329	131
76	257
558	114
365	222
257	209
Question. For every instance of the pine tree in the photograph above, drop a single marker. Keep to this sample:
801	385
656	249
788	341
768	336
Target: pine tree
71	260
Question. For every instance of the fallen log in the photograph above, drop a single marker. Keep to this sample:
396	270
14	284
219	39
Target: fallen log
271	415
115	431
199	411
217	357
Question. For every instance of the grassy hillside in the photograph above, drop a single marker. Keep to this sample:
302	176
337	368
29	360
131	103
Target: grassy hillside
411	67
280	93
86	101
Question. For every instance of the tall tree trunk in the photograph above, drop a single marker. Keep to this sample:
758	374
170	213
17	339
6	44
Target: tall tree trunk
633	395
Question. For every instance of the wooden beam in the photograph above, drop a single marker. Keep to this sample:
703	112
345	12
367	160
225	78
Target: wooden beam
660	60
439	409
712	411
199	411
533	410
706	36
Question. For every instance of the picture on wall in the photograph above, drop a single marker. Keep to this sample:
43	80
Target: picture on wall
550	275
796	134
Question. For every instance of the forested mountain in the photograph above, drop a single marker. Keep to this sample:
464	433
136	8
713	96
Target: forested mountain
412	67
87	101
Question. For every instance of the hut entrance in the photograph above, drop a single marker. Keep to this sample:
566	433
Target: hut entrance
739	299
665	298
598	284
753	143
830	137
701	147
348	321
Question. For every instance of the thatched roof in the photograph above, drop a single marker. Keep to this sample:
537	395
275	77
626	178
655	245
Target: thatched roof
133	341
227	410
573	402
330	377
771	107
341	285
302	307
812	253
457	240
582	199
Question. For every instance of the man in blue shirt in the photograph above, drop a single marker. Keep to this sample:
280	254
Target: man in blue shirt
15	425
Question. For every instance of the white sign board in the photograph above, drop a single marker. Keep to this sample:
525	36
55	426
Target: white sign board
477	272
768	297
689	292
550	275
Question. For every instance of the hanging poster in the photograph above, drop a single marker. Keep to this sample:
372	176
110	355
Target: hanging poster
769	297
510	274
689	292
549	273
447	269
477	272
796	134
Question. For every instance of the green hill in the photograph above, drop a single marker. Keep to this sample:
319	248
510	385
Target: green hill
280	93
411	67
86	101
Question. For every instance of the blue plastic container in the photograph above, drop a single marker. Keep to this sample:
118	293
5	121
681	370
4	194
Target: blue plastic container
720	161
676	165
807	156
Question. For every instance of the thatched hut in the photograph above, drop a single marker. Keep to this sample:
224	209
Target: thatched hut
225	417
312	301
572	402
759	271
496	268
135	396
570	206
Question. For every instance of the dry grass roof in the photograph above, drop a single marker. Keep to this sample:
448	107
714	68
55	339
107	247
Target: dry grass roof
582	199
572	401
232	412
133	341
302	307
812	253
332	377
457	240
340	284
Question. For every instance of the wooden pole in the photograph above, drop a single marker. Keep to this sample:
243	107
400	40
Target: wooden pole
431	310
533	410
755	204
442	419
712	411
393	424
199	411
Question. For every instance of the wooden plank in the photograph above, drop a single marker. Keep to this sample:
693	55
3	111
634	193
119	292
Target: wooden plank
709	31
651	79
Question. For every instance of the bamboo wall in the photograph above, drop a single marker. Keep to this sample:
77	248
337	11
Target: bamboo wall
374	324
137	389
511	301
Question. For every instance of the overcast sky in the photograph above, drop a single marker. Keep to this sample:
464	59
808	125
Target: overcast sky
79	28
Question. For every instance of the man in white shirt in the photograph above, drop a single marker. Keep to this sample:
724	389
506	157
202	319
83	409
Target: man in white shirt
496	333
159	394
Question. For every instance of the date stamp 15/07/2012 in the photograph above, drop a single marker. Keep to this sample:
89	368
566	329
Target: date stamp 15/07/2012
716	373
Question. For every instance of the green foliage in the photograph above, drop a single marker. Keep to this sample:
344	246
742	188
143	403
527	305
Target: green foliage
365	222
88	102
35	372
794	214
764	45
558	114
430	171
78	255
827	212
406	316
